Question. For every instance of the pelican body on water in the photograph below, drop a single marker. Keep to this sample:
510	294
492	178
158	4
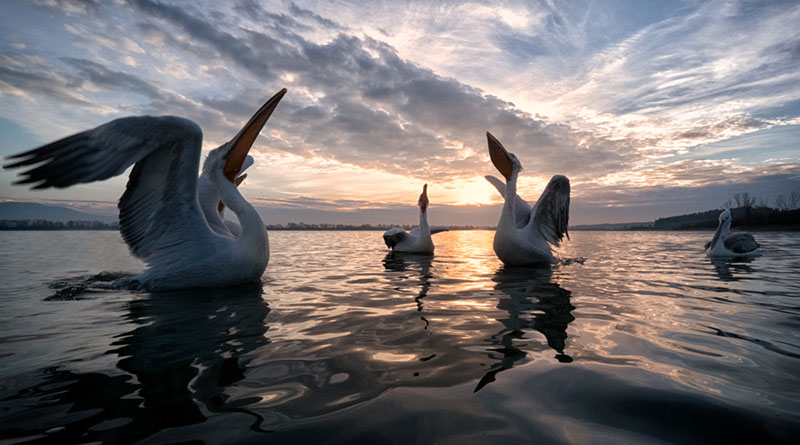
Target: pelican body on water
524	235
731	244
168	217
418	240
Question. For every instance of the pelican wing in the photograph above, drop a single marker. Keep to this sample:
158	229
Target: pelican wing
551	212
393	236
437	229
162	187
522	210
741	242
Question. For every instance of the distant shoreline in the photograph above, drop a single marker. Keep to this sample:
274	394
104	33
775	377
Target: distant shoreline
755	219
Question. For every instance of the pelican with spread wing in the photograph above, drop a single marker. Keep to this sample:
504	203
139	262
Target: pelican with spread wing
731	244
525	235
418	240
168	217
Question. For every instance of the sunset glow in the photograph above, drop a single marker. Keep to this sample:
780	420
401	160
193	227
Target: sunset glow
633	106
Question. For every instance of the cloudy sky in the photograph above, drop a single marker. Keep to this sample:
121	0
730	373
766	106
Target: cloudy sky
650	108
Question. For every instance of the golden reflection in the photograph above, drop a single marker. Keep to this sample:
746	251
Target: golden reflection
394	358
467	259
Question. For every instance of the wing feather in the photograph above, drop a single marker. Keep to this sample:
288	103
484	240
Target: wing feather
160	199
437	229
741	242
393	236
551	212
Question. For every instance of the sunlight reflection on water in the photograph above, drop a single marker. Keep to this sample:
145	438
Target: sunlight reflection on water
366	329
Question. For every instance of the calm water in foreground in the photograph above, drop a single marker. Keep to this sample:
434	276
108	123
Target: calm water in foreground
643	339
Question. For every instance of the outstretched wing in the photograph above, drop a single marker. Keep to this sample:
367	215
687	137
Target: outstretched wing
162	187
522	210
393	236
437	229
741	242
551	212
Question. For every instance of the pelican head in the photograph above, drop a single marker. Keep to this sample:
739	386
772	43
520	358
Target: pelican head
234	152
504	161
725	216
423	198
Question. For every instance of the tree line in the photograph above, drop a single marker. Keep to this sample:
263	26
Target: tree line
43	224
747	211
782	201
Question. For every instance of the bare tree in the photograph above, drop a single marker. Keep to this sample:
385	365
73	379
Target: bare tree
794	200
738	198
728	204
748	200
781	203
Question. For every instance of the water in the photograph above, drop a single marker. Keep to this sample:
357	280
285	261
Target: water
642	339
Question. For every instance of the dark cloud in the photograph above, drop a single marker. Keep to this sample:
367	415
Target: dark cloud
353	99
85	6
377	110
696	183
192	23
108	79
33	77
305	13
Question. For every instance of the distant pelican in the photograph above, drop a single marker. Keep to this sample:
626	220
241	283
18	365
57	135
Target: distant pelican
160	214
418	240
524	236
731	244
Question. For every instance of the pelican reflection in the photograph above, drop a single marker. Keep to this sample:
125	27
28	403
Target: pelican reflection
187	348
732	270
533	301
401	262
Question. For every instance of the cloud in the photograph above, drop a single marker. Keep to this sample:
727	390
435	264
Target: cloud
367	106
71	6
28	75
410	93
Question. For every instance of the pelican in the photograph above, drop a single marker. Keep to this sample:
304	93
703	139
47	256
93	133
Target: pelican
418	240
211	205
731	244
160	215
525	235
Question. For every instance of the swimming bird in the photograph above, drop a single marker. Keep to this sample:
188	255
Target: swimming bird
731	244
418	240
524	235
160	214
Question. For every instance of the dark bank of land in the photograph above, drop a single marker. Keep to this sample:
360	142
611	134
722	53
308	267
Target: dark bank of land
751	218
744	218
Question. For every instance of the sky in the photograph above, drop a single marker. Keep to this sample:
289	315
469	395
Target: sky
651	108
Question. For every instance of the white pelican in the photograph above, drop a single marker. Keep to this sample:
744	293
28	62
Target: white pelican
211	205
160	215
731	244
418	240
524	236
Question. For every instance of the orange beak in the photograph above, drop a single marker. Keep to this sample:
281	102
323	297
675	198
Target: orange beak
241	144
499	156
423	198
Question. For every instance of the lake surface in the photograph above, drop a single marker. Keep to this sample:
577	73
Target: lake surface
636	337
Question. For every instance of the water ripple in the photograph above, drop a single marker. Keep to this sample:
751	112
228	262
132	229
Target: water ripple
640	323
